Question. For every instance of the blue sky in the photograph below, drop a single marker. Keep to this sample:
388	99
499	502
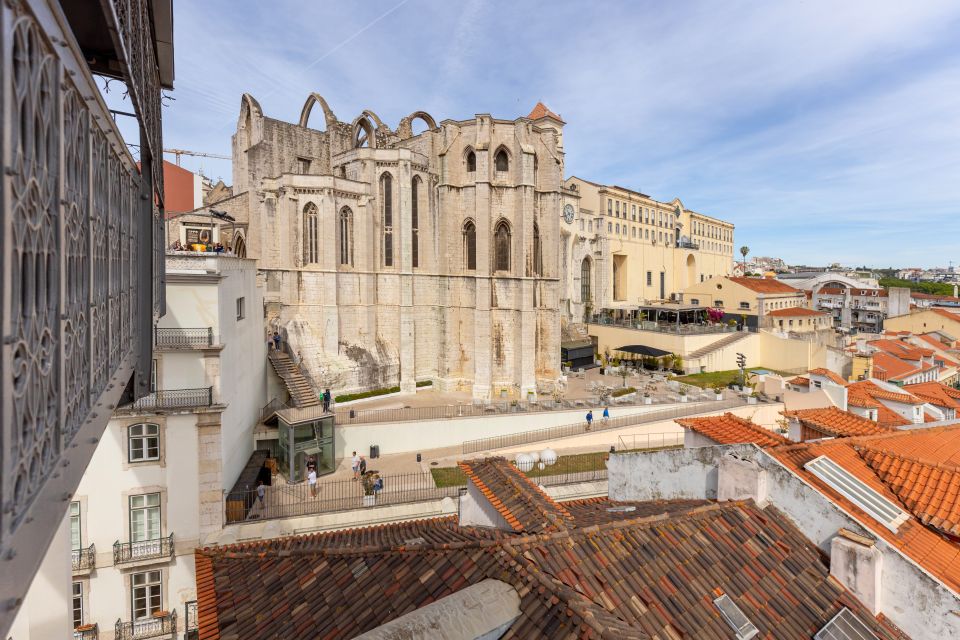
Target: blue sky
826	131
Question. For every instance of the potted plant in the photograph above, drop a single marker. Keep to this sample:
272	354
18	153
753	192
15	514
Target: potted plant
369	495
752	398
683	394
718	391
646	398
161	614
566	366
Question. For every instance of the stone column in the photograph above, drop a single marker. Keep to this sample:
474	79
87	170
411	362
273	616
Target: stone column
210	474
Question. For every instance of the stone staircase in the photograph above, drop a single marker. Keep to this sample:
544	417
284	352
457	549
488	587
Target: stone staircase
301	391
719	344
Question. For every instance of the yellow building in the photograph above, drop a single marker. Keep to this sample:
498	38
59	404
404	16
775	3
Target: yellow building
926	320
750	297
649	250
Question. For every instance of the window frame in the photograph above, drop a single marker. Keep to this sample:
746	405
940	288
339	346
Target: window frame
469	232
311	234
144	438
147	508
152	579
76	603
241	308
386	218
502	249
345	236
76	518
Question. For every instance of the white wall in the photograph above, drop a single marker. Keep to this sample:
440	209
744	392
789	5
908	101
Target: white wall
47	608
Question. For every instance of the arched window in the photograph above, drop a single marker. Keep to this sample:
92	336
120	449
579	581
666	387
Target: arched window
415	220
501	161
471	161
537	252
501	244
386	204
470	245
345	236
585	281
240	247
311	234
536	169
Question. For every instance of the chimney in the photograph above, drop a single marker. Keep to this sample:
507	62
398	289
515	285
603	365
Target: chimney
741	479
898	301
857	564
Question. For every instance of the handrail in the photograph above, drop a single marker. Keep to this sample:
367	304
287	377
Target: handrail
183	338
162	625
176	399
84	559
124	552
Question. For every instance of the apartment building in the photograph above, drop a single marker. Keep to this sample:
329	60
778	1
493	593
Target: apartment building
648	250
860	309
154	488
750	300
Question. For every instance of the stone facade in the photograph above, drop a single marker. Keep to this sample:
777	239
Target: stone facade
389	258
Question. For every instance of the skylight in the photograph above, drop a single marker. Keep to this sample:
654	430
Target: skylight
735	618
846	484
845	626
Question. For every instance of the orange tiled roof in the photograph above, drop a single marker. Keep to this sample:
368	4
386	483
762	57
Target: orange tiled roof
887	417
519	500
832	421
800	381
731	429
540	110
941	445
930	491
936	393
894	367
946	314
860	399
830	375
763	285
901	349
793	312
874	390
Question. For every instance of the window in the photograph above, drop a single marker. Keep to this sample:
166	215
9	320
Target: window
471	162
718	303
646	233
609	227
145	517
143	442
77	604
616	210
694	301
609	207
501	243
585	295
537	251
153	375
75	537
634	231
735	618
633	212
386	203
649	278
845	626
501	161
744	305
415	220
469	245
843	482
145	594
303	166
311	231
617	227
345	230
241	308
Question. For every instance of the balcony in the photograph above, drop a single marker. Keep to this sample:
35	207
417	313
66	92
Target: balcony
191	626
87	632
687	244
159	549
163	624
83	560
175	399
174	339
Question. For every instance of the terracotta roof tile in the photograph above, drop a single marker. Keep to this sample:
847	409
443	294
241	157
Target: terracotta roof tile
800	381
832	421
763	285
830	375
732	429
540	110
519	500
894	367
794	312
936	393
876	392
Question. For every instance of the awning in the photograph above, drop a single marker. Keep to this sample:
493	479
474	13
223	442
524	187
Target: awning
643	350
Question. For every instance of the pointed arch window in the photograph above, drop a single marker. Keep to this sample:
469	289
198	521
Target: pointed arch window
470	245
536	169
537	251
386	204
471	161
585	295
415	220
311	234
501	243
501	161
345	236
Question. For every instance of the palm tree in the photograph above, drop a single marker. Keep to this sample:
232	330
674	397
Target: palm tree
744	250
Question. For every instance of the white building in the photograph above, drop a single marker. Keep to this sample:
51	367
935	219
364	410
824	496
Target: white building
154	488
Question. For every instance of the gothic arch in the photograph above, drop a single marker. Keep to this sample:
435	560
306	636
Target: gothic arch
312	99
239	245
249	122
469	159
502	159
374	117
405	128
502	245
364	132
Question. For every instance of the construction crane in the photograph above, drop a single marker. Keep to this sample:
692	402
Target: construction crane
184	152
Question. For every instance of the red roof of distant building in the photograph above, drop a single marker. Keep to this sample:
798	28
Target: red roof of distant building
732	429
793	312
763	285
832	421
893	367
540	110
936	393
830	375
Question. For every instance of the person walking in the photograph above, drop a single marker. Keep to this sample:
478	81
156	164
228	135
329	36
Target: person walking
261	491
326	400
312	481
589	419
276	340
606	415
355	466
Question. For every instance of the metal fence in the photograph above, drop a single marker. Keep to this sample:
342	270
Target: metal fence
646	441
143	550
191	626
665	327
87	632
463	410
176	399
156	627
599	424
183	338
83	559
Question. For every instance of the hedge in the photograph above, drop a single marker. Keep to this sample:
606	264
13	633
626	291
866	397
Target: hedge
622	391
347	397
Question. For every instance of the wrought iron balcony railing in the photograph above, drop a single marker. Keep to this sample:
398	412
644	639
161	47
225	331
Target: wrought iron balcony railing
87	632
162	624
84	559
191	625
161	548
199	338
176	399
686	244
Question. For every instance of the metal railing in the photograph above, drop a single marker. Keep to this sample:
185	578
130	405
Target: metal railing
124	552
581	427
84	559
665	327
164	338
176	399
463	410
295	500
191	626
646	441
686	244
158	626
87	632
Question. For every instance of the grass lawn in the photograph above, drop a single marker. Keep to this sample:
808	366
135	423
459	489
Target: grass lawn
715	378
593	461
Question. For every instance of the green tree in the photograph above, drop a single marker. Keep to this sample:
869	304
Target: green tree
744	250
